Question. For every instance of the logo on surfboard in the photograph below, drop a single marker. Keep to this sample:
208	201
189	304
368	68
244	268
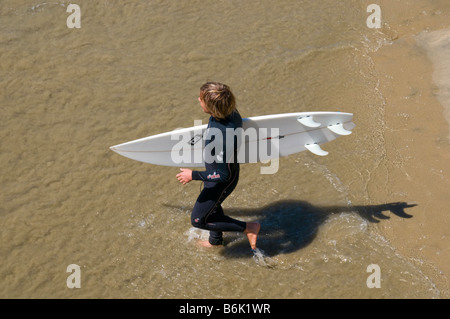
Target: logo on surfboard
195	139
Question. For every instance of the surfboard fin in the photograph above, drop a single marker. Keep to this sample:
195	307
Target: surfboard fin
339	129
315	149
308	121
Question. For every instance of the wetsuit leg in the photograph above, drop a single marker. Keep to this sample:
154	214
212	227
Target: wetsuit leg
218	222
208	213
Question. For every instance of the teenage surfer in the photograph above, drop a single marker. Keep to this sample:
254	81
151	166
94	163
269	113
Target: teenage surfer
222	172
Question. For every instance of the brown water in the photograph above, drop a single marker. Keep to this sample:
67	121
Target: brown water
134	70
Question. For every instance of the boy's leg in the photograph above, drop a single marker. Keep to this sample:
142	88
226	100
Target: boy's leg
217	222
215	238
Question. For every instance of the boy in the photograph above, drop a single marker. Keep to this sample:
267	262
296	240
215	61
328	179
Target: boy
221	175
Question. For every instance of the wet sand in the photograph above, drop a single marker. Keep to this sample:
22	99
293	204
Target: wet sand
416	168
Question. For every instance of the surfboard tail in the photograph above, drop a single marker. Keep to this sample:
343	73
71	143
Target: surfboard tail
339	129
308	121
330	129
316	149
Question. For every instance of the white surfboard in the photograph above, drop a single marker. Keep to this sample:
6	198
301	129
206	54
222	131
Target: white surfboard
264	138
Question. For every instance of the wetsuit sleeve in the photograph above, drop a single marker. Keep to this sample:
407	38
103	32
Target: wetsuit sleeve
217	171
219	174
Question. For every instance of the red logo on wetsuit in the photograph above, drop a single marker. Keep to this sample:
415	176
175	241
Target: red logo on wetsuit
212	176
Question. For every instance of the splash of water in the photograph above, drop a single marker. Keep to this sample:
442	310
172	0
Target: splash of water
262	260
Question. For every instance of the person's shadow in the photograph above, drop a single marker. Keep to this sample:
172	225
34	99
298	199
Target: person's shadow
290	225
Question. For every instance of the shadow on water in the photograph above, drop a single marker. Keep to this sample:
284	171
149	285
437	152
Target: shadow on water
290	225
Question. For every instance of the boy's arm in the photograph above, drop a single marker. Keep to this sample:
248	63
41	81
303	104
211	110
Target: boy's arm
220	174
187	175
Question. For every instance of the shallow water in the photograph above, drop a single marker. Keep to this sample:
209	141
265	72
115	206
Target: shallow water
134	70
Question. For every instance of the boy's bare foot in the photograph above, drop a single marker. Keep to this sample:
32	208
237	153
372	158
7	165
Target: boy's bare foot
206	243
252	231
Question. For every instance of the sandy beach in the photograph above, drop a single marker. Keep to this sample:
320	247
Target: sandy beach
414	79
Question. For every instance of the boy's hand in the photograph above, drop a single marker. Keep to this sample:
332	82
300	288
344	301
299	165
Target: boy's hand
185	176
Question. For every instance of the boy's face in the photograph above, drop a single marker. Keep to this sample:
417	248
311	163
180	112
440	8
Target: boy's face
203	105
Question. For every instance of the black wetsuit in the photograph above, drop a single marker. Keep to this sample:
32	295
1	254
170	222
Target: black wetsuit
220	178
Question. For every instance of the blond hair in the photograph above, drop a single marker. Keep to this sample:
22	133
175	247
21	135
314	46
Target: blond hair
218	98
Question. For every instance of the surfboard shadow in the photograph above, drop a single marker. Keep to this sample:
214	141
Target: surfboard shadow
290	225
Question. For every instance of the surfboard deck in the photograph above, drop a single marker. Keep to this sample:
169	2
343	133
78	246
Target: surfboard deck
277	135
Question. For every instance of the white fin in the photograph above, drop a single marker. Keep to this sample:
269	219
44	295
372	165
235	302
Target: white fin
308	121
315	149
339	129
